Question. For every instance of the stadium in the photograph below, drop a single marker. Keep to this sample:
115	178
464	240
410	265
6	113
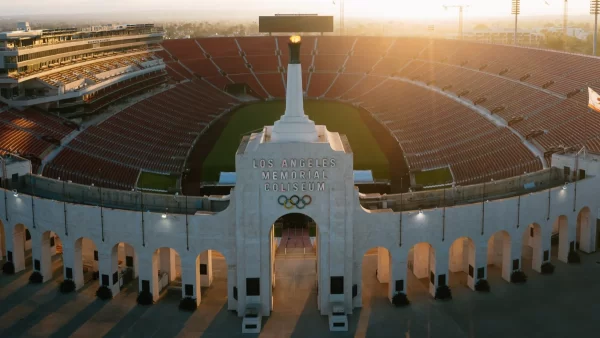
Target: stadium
149	161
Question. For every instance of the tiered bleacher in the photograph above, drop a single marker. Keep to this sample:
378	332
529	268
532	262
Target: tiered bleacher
30	133
403	82
155	134
90	71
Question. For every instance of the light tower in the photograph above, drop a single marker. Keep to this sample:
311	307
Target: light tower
595	10
516	10
460	17
565	19
341	16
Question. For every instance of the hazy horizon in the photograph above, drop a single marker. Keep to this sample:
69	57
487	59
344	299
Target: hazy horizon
250	9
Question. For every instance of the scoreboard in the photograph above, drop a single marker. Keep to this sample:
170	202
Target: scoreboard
301	23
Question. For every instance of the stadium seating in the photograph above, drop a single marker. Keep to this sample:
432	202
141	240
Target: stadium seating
30	133
90	71
535	92
155	134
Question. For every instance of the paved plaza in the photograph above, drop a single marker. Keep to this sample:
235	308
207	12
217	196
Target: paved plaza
566	304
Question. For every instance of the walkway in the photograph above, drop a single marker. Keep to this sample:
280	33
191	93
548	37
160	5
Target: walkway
560	305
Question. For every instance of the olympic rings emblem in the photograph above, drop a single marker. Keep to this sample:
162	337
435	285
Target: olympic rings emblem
294	201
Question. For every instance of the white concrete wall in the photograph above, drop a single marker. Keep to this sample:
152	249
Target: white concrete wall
345	230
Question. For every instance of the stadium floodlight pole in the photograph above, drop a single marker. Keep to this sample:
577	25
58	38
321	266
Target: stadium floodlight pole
516	10
460	17
341	16
595	10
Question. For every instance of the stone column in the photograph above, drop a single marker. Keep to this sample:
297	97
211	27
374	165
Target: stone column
398	282
131	259
167	262
15	248
564	239
231	284
73	263
42	256
148	274
537	244
438	264
514	262
357	280
109	270
190	279
479	266
383	265
205	268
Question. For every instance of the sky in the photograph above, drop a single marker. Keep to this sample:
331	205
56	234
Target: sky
382	9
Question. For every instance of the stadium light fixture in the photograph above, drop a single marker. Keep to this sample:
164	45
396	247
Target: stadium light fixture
595	10
516	10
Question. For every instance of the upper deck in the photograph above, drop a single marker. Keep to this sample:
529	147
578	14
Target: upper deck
26	41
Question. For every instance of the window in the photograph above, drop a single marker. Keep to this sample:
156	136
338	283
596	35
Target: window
515	264
442	280
146	285
69	273
399	285
337	285
189	290
481	273
252	286
105	280
471	270
203	269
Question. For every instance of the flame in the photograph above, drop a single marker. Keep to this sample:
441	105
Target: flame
295	39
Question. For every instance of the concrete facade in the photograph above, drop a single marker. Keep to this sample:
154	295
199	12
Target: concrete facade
452	238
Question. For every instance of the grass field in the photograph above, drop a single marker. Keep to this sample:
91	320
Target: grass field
156	181
434	177
337	117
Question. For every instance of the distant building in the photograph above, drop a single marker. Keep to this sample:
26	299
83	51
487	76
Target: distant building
503	36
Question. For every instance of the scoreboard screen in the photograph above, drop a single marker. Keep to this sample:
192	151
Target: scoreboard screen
295	24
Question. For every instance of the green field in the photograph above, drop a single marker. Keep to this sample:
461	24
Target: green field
337	117
156	181
434	177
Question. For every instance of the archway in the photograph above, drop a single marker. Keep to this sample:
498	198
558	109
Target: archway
583	239
376	277
532	248
166	274
49	258
461	262
21	253
127	264
294	262
498	255
85	263
421	266
560	238
211	279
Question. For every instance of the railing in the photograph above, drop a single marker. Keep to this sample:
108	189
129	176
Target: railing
459	195
68	192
